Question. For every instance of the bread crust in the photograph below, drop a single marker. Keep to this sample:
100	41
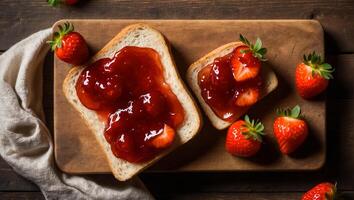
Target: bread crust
269	79
121	169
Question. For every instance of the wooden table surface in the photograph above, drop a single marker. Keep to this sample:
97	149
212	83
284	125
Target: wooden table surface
20	18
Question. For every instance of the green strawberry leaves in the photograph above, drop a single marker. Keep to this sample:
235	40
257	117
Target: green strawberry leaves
257	50
58	36
254	129
293	113
318	65
53	2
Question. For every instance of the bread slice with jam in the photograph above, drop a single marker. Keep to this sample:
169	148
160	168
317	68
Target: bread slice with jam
269	79
138	35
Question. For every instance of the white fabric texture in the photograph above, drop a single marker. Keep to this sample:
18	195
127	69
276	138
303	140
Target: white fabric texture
25	142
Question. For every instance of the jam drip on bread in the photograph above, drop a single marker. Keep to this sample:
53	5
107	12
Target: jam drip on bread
232	83
130	95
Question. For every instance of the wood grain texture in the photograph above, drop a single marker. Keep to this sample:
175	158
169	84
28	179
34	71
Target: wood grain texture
22	18
342	87
244	196
194	196
75	146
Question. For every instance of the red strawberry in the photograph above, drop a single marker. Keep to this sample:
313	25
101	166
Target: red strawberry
289	130
246	59
165	139
56	2
69	46
312	75
322	191
247	97
244	137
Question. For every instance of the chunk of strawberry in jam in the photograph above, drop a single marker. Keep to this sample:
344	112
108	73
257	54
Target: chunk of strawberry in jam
221	74
99	87
130	133
154	103
130	95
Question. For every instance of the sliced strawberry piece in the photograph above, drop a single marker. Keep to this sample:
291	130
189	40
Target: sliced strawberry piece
244	65
247	97
165	139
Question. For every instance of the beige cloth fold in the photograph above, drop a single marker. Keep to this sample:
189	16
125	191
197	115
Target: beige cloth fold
25	142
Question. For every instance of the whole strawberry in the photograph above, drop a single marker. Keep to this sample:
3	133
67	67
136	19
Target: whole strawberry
56	2
322	191
244	137
312	75
289	130
69	46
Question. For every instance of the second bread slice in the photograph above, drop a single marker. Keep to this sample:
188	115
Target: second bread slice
270	81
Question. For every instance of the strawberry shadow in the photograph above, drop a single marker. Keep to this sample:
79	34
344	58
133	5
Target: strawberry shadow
283	88
311	146
81	3
268	154
180	61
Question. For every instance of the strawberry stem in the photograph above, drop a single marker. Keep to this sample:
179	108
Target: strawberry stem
257	50
58	36
318	65
254	129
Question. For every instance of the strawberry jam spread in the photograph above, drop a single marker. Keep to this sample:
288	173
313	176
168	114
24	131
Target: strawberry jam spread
130	95
222	89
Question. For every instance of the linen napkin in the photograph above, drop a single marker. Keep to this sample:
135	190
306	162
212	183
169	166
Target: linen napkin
25	142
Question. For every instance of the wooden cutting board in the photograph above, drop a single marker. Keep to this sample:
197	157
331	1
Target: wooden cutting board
76	150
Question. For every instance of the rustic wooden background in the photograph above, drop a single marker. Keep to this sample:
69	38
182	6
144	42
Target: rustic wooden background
20	18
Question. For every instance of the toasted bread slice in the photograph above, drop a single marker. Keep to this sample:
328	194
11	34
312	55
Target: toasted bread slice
269	79
139	35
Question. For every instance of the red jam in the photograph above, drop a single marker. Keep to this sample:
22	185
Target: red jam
220	90
130	94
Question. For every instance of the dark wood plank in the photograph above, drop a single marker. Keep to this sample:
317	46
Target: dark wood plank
342	86
22	18
340	137
233	196
21	195
243	196
183	196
